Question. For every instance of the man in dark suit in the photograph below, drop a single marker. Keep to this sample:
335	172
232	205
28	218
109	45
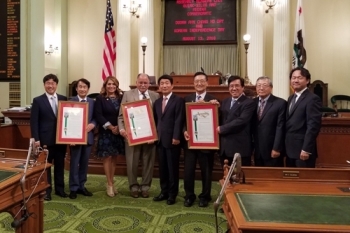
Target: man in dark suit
268	125
79	154
303	121
43	122
144	151
205	157
169	118
235	130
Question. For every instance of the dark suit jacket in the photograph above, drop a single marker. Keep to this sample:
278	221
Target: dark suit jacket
303	124
43	120
269	131
105	111
91	119
170	123
235	129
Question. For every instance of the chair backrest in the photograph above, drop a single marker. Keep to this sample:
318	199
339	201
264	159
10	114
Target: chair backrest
152	80
93	95
321	89
341	103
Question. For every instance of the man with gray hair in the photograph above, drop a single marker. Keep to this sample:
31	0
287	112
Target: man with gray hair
146	152
268	125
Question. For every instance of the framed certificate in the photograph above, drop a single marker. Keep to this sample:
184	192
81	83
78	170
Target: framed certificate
202	120
139	122
72	119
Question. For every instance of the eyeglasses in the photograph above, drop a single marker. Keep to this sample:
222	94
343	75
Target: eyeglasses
200	81
262	86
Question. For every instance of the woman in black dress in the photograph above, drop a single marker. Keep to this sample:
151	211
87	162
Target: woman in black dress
110	142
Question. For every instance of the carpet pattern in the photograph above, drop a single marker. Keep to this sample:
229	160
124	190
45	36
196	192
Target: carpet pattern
123	213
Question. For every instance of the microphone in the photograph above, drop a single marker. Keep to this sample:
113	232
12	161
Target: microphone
17	222
234	168
202	69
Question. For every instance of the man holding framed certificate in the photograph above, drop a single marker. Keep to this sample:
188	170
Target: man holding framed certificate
145	151
205	157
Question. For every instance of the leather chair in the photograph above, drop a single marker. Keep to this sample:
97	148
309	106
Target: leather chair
341	103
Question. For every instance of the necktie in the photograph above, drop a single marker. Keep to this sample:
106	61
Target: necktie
164	103
292	102
261	108
144	96
199	98
54	105
233	101
83	101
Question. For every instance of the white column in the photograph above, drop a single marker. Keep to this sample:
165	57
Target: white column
146	24
281	49
35	59
61	35
255	30
123	31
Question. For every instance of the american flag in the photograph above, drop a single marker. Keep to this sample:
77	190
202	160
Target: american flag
109	51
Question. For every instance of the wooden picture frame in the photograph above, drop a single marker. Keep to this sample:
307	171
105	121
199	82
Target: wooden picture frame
202	120
72	119
139	122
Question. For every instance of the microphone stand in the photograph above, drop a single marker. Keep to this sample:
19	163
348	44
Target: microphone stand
217	202
17	222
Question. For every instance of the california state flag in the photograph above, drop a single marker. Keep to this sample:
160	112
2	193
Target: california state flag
299	52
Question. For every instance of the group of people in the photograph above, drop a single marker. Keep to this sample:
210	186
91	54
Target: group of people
276	132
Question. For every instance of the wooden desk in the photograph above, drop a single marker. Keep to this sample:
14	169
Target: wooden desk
188	79
219	91
18	133
272	181
333	142
11	199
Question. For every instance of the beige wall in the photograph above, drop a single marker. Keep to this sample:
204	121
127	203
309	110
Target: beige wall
328	43
327	39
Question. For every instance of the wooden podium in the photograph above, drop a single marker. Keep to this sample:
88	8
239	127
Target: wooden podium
11	199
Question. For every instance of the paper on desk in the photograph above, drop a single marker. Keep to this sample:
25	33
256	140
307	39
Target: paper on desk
17	109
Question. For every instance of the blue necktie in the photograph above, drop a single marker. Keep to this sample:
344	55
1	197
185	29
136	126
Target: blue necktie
54	105
233	101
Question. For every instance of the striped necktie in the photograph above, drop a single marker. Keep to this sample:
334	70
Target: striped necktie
261	108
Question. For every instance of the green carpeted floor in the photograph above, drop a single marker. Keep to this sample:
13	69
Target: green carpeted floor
123	213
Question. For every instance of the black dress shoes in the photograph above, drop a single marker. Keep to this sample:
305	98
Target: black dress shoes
61	194
47	197
203	203
188	202
84	192
170	201
73	195
160	197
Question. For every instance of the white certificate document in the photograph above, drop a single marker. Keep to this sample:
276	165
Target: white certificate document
140	125
202	125
72	122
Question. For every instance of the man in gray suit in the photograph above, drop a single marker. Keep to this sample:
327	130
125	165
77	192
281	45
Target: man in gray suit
146	151
80	154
